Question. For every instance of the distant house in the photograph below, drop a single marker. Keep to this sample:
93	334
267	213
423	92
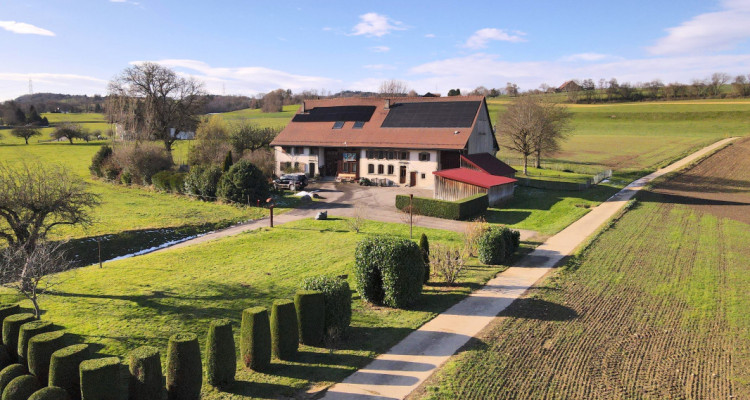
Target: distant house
569	86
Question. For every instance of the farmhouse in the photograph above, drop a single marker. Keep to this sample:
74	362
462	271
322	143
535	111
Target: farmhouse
392	141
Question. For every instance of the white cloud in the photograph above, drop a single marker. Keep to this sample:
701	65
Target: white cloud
380	49
714	31
429	35
14	84
481	37
585	57
379	67
374	24
24	28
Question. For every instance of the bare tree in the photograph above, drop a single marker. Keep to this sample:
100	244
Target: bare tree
511	89
33	273
741	86
34	198
718	79
273	101
393	87
69	131
555	126
26	132
248	136
150	100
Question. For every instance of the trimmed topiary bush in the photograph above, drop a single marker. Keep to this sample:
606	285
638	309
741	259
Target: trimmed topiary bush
63	368
100	379
310	306
338	303
27	331
9	373
4	357
221	357
491	247
184	368
8	309
145	374
11	326
50	393
459	209
255	338
40	352
424	246
389	271
21	388
284	330
243	182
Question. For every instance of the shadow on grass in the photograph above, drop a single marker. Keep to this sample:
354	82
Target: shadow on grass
530	308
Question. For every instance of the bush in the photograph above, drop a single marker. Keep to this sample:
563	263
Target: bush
491	247
284	330
184	368
29	330
510	242
4	357
227	162
100	157
424	247
126	178
221	357
7	310
144	365
311	311
9	373
389	271
21	388
458	210
169	181
447	263
338	303
100	379
202	181
255	338
143	160
40	351
11	326
63	368
263	159
50	393
242	183
474	230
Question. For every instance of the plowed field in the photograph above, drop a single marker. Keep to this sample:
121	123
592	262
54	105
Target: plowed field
656	308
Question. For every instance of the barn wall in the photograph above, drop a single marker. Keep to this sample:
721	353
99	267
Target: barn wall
447	189
497	195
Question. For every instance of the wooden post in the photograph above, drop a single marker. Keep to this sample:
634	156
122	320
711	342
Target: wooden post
411	215
99	243
271	215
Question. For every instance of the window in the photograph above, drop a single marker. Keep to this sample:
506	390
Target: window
424	156
381	155
404	155
380	169
286	149
354	168
358	124
423	176
390	170
371	169
345	168
299	150
390	155
313	151
288	165
338	124
296	166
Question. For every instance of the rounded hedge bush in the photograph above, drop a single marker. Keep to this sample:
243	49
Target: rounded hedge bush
202	181
284	330
97	161
21	388
491	247
4	357
29	330
100	379
7	310
63	368
221	356
144	364
310	306
243	181
184	368
40	352
255	338
424	246
50	393
389	271
338	303
9	373
11	326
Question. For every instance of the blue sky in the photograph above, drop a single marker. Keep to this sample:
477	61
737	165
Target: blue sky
250	47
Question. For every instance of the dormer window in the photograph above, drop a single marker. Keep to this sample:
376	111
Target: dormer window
358	124
338	124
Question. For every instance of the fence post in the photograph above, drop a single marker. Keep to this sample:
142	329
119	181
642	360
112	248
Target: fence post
271	215
411	215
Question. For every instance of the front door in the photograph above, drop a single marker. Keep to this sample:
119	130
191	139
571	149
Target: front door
413	179
312	170
402	175
331	167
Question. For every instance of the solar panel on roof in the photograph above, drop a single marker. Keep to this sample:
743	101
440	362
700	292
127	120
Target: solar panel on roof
444	114
339	113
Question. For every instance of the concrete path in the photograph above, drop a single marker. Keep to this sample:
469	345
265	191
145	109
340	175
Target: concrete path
404	367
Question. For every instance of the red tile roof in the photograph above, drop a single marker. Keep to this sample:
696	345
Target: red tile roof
372	134
474	177
488	163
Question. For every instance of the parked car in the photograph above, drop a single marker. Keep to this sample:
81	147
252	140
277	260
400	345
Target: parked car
292	182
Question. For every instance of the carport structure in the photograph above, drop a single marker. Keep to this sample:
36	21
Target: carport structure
459	183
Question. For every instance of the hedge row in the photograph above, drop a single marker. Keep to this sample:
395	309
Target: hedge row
497	245
337	299
389	270
457	210
169	181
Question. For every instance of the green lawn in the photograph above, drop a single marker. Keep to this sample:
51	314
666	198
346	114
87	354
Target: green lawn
551	175
144	300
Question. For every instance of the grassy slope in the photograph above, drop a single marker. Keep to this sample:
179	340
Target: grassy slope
143	301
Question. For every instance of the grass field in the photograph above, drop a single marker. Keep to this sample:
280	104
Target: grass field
656	307
142	301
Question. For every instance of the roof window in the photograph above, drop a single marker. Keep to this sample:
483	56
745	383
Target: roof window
359	124
338	124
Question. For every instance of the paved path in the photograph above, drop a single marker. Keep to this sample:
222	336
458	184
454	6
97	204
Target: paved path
404	367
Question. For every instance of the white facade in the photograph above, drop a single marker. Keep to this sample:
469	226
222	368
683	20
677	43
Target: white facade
391	169
300	158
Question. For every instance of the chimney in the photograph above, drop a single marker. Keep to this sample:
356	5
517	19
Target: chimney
303	107
387	104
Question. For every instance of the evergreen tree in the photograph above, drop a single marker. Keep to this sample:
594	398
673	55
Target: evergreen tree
227	161
20	117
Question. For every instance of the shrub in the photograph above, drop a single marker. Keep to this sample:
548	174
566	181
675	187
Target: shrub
389	271
491	247
460	209
263	159
338	303
242	183
424	247
474	230
21	388
255	338
145	374
101	155
160	180
100	379
447	263
9	373
143	160
8	309
11	326
284	330
184	368
50	393
40	351
29	330
221	358
227	162
111	171
126	178
510	246
63	368
311	311
211	141
202	181
4	357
